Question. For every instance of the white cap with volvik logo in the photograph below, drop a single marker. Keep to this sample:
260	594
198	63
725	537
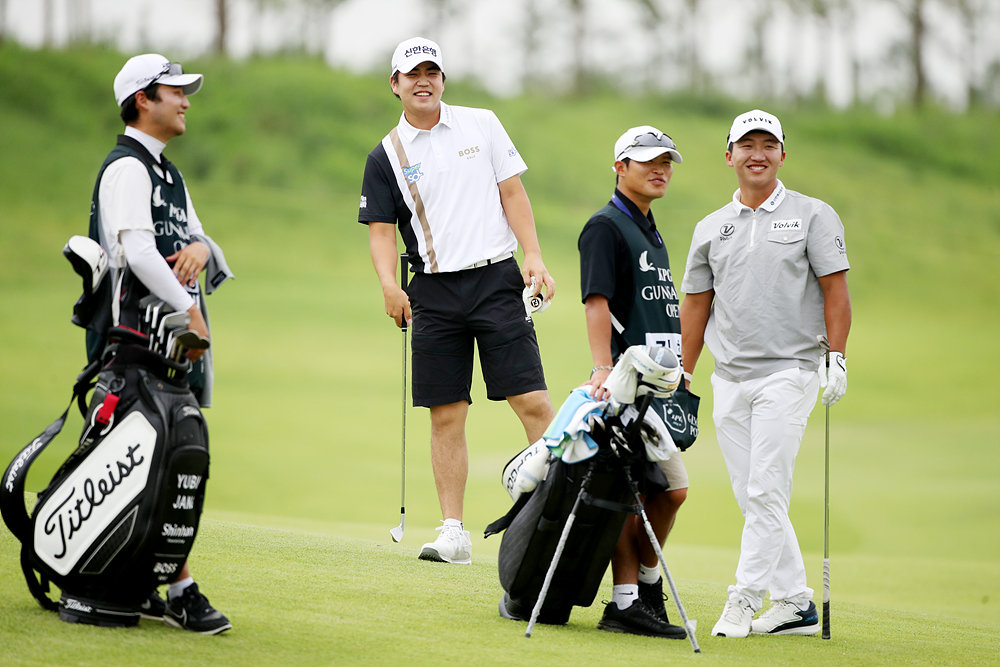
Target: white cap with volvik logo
755	120
140	71
414	51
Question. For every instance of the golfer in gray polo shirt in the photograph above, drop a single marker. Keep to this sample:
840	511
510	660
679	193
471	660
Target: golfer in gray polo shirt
766	274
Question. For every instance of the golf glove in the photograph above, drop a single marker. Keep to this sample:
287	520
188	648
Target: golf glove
834	379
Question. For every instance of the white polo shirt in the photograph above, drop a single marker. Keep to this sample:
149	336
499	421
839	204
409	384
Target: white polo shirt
444	192
768	306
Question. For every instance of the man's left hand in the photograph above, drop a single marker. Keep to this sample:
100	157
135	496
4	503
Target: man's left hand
189	262
833	379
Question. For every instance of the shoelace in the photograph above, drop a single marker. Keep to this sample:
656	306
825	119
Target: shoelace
734	611
778	609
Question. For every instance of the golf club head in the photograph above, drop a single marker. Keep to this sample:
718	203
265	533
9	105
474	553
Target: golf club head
397	532
192	341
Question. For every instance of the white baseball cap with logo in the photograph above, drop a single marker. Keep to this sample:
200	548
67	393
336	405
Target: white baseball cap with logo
645	143
140	71
414	51
755	120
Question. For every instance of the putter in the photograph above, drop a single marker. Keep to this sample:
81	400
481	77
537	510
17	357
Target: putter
397	532
825	345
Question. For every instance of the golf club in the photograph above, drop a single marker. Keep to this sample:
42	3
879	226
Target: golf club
397	532
825	345
170	322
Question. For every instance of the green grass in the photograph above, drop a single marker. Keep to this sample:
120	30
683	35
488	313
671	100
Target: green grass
305	428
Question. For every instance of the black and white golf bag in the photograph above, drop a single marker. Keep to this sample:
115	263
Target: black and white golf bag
121	514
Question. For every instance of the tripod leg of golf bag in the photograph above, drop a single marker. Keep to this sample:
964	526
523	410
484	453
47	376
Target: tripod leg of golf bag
558	554
688	625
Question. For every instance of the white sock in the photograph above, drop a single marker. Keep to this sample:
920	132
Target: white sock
648	575
624	595
176	589
454	522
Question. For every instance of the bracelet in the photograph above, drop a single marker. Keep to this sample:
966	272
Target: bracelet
688	377
601	368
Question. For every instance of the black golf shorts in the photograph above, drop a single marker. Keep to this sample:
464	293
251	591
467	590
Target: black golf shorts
454	311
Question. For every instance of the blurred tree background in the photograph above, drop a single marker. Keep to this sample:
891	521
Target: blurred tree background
880	54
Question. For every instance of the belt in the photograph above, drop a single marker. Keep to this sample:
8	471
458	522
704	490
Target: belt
487	262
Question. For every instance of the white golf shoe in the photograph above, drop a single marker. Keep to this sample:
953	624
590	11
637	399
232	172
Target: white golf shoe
736	618
452	545
785	618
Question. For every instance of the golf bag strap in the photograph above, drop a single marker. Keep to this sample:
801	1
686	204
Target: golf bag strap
38	586
12	507
504	522
607	504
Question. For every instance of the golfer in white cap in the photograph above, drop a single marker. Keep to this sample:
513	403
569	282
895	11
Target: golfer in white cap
766	274
449	179
142	215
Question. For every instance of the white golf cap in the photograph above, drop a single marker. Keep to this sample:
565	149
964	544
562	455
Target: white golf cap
140	71
755	120
414	51
645	143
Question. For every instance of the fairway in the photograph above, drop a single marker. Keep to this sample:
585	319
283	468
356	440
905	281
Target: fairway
305	432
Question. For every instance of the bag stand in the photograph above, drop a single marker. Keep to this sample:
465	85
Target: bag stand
619	440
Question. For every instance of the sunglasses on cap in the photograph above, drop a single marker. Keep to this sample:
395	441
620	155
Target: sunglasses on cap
649	139
173	69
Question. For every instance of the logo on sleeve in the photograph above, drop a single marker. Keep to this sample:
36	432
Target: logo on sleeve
364	202
413	174
839	242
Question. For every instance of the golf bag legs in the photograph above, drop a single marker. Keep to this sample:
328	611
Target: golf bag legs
688	625
558	554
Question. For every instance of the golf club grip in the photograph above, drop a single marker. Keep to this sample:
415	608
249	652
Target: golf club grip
826	619
404	277
826	598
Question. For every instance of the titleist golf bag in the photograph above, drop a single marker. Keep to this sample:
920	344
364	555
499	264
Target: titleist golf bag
121	514
534	525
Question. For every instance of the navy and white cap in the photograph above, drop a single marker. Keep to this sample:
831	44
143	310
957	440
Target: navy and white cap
414	51
645	143
755	120
140	71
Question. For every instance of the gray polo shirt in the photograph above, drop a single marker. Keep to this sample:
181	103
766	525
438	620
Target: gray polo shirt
762	264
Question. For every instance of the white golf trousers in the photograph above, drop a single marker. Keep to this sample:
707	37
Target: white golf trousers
759	424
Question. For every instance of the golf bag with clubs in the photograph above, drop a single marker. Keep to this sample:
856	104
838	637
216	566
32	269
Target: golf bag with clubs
560	535
120	515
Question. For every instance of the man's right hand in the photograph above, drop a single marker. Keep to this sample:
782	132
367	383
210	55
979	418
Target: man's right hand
397	305
200	327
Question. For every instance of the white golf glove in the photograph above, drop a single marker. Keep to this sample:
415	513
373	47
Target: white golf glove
833	380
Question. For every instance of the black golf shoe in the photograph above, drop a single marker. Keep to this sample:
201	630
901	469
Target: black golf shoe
192	611
652	596
637	619
152	608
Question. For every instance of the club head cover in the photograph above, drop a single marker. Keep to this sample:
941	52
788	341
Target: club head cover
88	259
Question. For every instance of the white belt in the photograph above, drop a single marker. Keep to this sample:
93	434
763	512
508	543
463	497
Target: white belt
487	262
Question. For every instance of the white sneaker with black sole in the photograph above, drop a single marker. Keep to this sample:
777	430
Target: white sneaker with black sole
785	618
453	545
736	618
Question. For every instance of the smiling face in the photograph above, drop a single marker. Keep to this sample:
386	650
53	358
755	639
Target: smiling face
756	157
420	91
163	117
642	182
